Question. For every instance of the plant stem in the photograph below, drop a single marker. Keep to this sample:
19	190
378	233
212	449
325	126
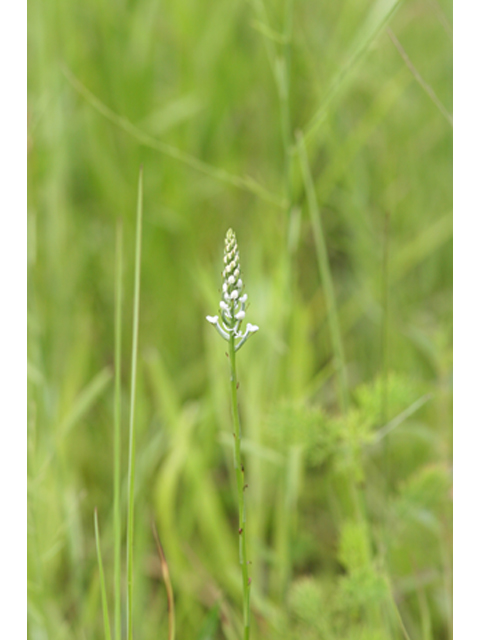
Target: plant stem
240	476
117	516
103	590
131	444
384	347
284	95
168	585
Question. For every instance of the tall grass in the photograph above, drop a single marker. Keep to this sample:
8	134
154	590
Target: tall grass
117	455
133	382
209	97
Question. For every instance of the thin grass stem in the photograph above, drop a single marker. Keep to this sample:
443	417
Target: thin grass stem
106	617
385	318
284	94
380	14
131	444
117	523
168	585
425	86
246	183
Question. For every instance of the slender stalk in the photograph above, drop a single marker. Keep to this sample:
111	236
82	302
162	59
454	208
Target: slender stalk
284	94
384	333
425	86
232	313
106	618
131	445
168	584
240	476
245	183
384	348
117	445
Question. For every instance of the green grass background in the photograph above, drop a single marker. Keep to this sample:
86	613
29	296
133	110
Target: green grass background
349	526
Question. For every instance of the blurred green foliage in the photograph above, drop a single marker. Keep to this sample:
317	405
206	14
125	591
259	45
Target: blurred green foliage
349	513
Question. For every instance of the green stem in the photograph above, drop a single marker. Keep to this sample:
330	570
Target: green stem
131	444
106	619
384	345
240	476
117	515
284	94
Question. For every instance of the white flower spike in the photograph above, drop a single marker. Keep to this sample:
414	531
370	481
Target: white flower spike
232	307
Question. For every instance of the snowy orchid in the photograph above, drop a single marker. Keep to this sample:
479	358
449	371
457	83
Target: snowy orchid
232	306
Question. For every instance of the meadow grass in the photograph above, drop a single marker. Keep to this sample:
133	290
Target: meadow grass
321	132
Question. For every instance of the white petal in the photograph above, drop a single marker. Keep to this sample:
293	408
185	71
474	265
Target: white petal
212	319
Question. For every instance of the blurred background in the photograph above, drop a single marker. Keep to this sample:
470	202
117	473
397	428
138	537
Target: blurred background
272	117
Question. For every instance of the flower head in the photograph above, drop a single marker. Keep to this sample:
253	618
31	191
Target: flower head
232	306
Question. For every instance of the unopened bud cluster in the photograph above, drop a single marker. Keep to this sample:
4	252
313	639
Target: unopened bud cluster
232	305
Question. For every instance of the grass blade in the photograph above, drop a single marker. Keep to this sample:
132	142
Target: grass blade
398	420
82	404
384	329
241	182
378	17
325	273
85	400
117	523
168	585
425	86
106	619
131	443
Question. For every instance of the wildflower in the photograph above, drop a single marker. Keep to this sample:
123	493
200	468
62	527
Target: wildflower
232	306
